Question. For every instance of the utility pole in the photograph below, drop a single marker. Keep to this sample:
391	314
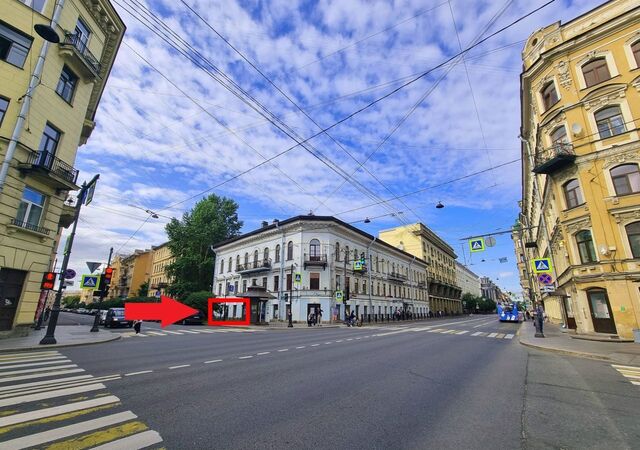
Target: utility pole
291	300
103	290
49	338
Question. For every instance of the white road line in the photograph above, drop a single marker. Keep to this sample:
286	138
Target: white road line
40	375
493	335
189	331
437	330
54	411
180	366
462	332
59	433
213	361
44	363
358	338
635	377
53	387
617	366
172	332
509	336
263	353
137	373
42	369
26	355
350	339
140	334
52	394
483	324
302	346
245	357
156	333
477	333
139	440
44	383
314	345
28	360
448	331
637	383
284	350
327	343
340	340
207	331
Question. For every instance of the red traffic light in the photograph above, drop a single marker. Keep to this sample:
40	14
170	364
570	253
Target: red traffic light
108	273
48	281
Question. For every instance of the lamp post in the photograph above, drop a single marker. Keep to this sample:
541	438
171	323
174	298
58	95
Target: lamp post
103	286
49	337
290	312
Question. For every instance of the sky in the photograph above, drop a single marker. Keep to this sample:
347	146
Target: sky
169	132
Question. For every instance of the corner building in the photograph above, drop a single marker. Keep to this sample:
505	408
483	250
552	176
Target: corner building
324	252
49	94
581	167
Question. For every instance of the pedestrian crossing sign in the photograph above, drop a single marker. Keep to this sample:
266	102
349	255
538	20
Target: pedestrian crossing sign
298	278
542	265
339	296
476	244
90	282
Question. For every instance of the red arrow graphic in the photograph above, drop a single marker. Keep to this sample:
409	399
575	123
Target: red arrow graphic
168	311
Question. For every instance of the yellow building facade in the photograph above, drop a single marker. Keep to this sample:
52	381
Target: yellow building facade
160	280
580	167
420	241
49	94
130	273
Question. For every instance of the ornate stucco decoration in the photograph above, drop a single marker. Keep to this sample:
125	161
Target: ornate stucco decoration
564	77
577	225
620	158
604	99
565	175
553	122
636	83
625	217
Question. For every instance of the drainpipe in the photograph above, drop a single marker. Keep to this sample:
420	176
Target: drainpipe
281	305
370	268
410	283
26	100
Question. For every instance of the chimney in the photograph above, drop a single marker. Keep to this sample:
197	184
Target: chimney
265	224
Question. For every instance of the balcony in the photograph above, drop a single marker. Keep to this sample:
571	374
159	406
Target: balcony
552	159
422	284
256	266
397	276
51	170
17	224
315	261
79	56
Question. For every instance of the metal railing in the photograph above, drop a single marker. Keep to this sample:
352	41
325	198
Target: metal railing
315	258
50	162
81	47
264	264
28	226
398	276
559	149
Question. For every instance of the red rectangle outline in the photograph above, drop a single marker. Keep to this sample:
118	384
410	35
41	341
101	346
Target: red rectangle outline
233	323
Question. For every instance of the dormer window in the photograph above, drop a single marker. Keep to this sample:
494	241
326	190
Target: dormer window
549	95
595	71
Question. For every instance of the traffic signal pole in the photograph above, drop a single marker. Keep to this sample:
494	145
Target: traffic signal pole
104	286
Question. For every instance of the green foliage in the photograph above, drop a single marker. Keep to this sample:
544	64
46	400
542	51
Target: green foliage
143	291
71	301
478	304
213	219
198	300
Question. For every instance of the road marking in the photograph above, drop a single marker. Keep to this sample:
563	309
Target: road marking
207	331
213	361
43	383
482	333
27	360
156	333
509	336
314	345
302	346
500	336
462	332
637	383
448	331
59	433
40	375
140	440
437	330
17	391
52	394
358	338
137	373
27	355
42	369
263	353
350	339
190	332
617	366
483	324
140	334
245	357
54	411
284	350
173	332
180	366
493	335
44	363
477	333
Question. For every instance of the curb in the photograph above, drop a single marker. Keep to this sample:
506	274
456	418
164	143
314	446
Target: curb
43	347
567	352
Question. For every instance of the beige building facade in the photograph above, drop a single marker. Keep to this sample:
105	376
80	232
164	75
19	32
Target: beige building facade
581	167
49	94
160	280
468	281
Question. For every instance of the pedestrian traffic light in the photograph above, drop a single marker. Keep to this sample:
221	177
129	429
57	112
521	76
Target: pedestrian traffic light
108	273
48	281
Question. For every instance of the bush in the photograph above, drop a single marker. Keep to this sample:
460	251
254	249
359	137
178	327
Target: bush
199	300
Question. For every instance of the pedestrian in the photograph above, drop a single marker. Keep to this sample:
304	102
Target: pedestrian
540	316
319	316
47	312
137	325
352	318
309	319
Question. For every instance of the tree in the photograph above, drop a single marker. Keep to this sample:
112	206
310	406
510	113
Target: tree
212	219
143	291
71	301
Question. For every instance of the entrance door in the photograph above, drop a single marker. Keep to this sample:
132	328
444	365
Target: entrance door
11	282
601	311
571	320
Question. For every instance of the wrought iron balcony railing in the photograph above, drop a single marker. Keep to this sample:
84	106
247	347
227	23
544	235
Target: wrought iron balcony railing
554	158
254	266
28	226
49	162
315	260
75	41
397	276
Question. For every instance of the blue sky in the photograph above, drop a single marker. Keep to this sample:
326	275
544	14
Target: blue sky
156	147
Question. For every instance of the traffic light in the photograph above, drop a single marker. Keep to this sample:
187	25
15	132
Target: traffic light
108	273
48	281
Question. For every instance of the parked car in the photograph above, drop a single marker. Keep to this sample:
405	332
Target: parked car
195	319
115	318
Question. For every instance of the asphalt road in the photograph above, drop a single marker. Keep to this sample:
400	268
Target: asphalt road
458	383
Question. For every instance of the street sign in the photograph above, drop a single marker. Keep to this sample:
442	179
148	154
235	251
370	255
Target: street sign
547	289
230	288
357	265
89	195
157	294
90	282
298	278
339	295
490	241
93	266
68	283
476	245
69	274
545	278
542	265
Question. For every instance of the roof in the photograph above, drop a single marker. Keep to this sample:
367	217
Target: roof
427	232
308	218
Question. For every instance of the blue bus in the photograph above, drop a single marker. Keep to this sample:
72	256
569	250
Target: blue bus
508	313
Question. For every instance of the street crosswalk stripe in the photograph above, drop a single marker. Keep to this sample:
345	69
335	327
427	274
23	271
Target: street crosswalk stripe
42	369
493	335
448	331
637	383
140	334
40	375
462	332
52	394
437	330
43	383
500	336
100	437
28	360
509	336
54	411
477	333
52	387
137	441
27	355
156	334
481	333
207	331
60	433
618	366
31	364
190	331
172	332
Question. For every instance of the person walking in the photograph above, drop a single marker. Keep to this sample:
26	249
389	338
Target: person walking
310	319
137	325
319	316
352	318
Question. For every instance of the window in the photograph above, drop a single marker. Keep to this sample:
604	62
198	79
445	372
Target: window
14	46
337	251
278	253
36	5
237	263
355	254
572	193
626	179
244	285
595	72
246	260
66	84
559	135
255	258
346	254
289	282
276	283
633	234
635	49
585	247
314	250
314	281
235	287
549	95
4	105
264	282
221	265
610	122
290	251
82	35
230	264
31	206
50	140
265	254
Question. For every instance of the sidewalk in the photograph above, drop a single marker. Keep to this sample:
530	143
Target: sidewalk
556	340
66	335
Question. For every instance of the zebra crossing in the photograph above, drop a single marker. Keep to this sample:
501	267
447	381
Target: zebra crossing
182	332
450	331
46	401
630	372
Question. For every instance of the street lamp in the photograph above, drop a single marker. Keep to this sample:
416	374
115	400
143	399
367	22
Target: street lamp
47	33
